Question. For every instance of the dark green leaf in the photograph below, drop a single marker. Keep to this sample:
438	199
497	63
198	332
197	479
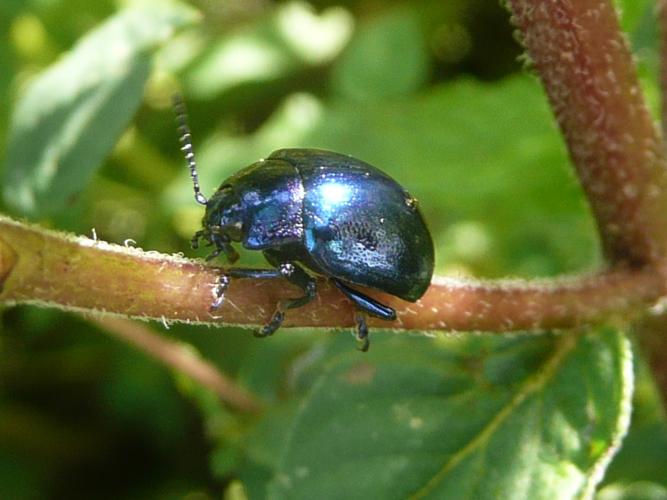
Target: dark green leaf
643	457
641	490
483	417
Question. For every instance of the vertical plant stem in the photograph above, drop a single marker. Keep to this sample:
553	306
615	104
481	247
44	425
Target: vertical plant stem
662	22
588	74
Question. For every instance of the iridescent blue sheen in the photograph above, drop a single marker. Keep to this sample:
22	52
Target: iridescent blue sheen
335	215
360	225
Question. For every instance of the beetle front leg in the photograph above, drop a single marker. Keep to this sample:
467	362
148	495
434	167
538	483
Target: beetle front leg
222	283
194	243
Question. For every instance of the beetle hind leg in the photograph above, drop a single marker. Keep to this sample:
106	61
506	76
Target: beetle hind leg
365	306
362	331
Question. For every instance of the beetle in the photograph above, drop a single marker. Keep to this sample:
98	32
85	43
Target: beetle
318	211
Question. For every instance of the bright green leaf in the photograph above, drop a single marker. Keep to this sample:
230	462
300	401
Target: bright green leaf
292	37
632	13
73	113
387	58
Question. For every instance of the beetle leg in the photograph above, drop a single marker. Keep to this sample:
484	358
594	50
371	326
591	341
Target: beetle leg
365	306
221	243
231	254
292	272
221	285
222	282
297	276
362	331
366	303
194	243
213	254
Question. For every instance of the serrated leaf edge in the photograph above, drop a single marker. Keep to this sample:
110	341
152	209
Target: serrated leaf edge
596	472
532	385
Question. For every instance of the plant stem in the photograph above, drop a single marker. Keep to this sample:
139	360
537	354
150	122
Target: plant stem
181	357
76	273
587	71
662	22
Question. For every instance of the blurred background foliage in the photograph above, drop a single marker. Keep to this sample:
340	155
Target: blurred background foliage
435	93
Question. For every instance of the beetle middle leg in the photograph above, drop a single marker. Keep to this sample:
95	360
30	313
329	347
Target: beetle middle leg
295	275
365	305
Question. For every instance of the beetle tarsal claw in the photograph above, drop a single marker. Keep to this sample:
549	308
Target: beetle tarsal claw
362	332
221	285
268	329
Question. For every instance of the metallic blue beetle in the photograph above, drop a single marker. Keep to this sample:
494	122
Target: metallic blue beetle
329	213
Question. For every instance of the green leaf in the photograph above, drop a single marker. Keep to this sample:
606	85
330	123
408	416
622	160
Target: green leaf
641	490
643	458
483	417
286	41
632	13
387	58
73	113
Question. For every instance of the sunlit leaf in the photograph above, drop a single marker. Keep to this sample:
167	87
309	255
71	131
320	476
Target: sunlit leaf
285	42
72	114
387	58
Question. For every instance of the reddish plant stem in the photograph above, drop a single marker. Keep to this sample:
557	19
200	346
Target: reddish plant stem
181	358
82	274
662	22
587	71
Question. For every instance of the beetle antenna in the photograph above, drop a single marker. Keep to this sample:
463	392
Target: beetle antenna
185	138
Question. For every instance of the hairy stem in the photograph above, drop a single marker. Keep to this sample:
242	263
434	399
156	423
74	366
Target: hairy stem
662	22
587	71
181	358
78	273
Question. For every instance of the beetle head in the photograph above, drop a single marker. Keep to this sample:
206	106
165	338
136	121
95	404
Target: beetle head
222	223
259	206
